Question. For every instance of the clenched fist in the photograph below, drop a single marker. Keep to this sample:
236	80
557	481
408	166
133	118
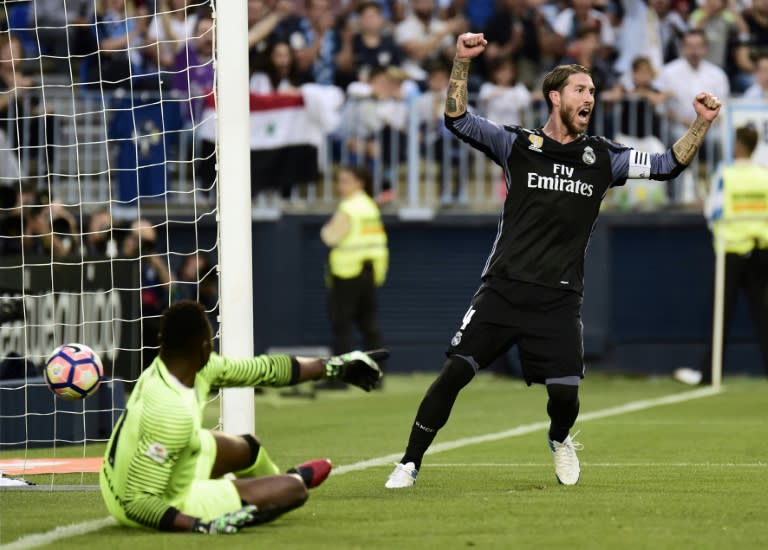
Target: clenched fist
707	106
469	45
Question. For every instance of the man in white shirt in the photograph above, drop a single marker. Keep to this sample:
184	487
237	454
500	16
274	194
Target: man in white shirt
691	71
759	90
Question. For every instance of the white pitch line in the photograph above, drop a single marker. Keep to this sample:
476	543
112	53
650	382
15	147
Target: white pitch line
33	541
63	532
534	427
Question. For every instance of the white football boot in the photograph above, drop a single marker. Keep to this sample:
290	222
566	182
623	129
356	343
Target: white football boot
566	462
404	475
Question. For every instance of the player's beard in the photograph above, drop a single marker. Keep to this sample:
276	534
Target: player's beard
570	118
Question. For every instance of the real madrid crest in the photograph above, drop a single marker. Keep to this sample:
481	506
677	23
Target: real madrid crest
456	340
589	155
536	142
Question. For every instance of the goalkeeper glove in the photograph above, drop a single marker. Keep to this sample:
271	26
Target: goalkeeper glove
226	524
357	368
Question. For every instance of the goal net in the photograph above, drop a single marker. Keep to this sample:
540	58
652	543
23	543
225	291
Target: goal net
108	203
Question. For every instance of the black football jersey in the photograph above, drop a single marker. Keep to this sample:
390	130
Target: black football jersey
554	192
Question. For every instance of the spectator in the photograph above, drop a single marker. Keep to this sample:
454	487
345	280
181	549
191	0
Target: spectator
27	229
99	240
759	90
572	21
424	37
721	26
691	71
438	145
641	34
60	28
190	280
503	99
317	44
140	244
371	46
754	43
640	128
169	32
521	31
280	75
640	100
585	51
193	68
120	33
674	17
373	124
477	12
267	24
18	102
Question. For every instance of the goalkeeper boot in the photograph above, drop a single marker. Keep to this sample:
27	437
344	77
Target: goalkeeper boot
566	462
313	472
404	475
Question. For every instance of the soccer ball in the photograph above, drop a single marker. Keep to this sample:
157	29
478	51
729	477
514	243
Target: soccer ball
73	371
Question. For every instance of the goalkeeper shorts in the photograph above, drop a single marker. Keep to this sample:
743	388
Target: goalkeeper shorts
544	322
208	498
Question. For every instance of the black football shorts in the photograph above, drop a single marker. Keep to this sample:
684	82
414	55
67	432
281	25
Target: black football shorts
544	322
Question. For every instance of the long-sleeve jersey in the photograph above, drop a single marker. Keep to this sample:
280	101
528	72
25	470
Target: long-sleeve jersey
151	455
554	192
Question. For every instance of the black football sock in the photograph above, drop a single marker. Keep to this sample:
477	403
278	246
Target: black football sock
436	407
563	408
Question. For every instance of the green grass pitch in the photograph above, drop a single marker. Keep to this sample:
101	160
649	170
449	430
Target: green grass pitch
688	475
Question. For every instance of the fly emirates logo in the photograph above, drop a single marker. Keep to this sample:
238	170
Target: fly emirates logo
561	180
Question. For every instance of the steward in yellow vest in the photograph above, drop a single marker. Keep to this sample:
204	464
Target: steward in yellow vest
358	261
738	207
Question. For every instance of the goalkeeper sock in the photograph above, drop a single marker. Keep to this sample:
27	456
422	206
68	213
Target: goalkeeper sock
261	463
436	407
563	408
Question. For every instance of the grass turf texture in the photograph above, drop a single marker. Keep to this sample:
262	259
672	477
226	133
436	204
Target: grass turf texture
687	475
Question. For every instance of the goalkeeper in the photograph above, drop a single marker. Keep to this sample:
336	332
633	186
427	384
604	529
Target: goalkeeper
163	470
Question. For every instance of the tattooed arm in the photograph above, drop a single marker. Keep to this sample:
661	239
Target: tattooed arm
468	45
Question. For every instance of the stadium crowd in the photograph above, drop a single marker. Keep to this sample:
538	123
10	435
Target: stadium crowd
389	56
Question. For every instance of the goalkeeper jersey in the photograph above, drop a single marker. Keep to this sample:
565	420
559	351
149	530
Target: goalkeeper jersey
152	453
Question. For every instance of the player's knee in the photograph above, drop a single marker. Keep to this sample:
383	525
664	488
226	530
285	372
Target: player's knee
564	394
457	372
296	493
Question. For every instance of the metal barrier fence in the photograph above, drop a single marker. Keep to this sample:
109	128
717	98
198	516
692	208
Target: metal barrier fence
85	145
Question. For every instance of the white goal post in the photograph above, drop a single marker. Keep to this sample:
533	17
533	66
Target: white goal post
234	203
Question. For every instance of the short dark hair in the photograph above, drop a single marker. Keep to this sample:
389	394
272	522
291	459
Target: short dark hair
183	327
362	174
747	137
368	5
696	32
557	78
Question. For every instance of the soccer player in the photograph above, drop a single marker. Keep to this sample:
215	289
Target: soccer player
532	283
163	470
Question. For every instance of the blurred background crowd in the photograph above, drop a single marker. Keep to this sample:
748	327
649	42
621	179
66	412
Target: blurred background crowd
351	82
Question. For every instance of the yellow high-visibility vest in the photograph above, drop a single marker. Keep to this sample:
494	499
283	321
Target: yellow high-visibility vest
745	195
365	241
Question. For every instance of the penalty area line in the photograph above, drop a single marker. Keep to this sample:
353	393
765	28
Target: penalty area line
524	429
